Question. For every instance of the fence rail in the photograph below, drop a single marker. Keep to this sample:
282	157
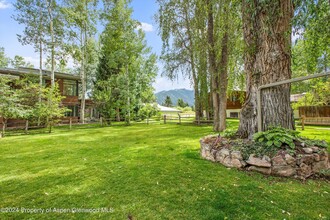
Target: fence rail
25	126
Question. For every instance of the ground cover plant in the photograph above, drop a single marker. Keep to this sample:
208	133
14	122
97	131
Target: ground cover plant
148	172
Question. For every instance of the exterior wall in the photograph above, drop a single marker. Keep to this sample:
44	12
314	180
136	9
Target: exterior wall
234	111
233	101
296	114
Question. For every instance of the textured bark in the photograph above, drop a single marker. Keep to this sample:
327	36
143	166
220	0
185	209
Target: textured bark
52	76
266	28
197	101
213	67
219	72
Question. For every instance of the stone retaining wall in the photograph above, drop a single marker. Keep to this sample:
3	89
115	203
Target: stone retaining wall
302	165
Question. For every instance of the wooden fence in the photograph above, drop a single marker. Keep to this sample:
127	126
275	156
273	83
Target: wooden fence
314	111
314	115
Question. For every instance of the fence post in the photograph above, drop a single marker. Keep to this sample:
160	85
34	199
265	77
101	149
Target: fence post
70	123
303	122
101	121
26	126
179	118
164	119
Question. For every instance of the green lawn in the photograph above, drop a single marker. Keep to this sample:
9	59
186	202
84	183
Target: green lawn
149	171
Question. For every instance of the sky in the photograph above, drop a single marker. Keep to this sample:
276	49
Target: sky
143	11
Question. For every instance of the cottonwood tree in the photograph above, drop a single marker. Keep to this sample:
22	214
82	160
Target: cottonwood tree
177	21
311	49
199	41
222	32
311	25
267	35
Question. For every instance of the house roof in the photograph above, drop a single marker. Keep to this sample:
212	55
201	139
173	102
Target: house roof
32	71
167	109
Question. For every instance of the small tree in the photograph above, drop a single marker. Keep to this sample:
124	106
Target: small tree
11	105
182	104
4	60
50	109
19	61
168	102
148	110
320	95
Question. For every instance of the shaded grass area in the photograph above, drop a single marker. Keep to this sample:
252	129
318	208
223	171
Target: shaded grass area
149	172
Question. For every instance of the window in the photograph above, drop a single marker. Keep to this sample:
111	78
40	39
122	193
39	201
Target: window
73	112
234	114
70	88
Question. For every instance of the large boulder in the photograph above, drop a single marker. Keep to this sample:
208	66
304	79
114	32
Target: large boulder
256	161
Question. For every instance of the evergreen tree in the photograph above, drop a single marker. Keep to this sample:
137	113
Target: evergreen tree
4	60
126	67
168	102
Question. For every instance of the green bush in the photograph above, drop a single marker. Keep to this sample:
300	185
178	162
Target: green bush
277	136
229	133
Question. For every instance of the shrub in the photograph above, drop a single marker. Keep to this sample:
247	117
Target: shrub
229	133
277	136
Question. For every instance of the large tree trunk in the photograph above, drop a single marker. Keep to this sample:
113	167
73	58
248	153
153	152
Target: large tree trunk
267	60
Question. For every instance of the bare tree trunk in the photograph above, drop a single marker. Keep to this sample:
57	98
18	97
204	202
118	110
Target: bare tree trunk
223	83
52	77
117	114
213	68
267	59
197	102
4	125
83	78
40	52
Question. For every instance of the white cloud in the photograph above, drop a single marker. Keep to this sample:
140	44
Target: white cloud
33	60
4	4
146	27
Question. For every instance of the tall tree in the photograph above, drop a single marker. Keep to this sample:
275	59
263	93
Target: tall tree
267	35
126	67
80	17
177	21
33	15
168	102
311	25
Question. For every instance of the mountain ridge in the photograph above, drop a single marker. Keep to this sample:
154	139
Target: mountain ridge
185	94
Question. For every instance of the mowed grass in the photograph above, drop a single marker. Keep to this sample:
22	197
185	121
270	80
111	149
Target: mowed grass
148	172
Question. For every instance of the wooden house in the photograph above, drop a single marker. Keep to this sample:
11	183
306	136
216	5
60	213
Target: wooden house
68	86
